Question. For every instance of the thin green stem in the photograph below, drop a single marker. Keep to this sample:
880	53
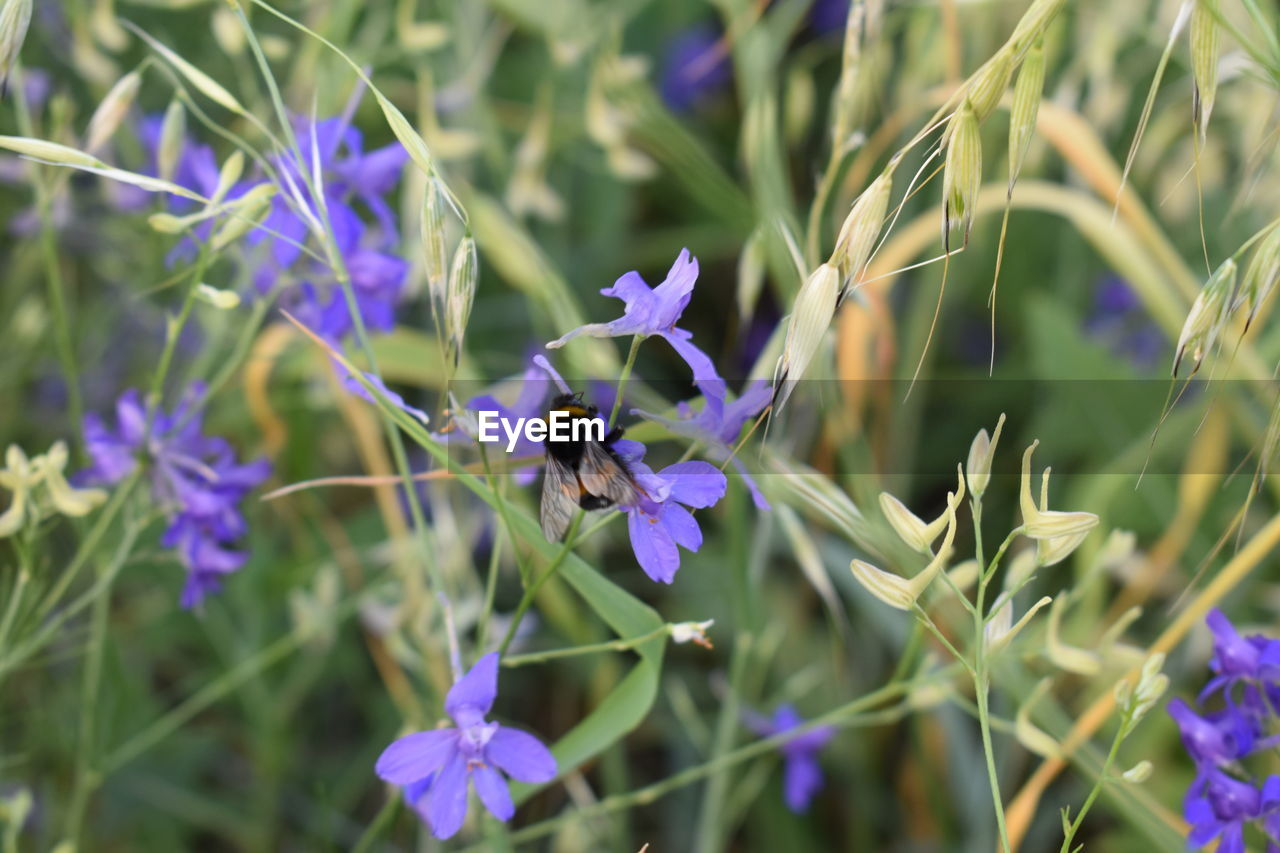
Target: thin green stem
623	377
11	610
490	592
85	779
381	823
532	590
982	684
620	645
52	267
1103	774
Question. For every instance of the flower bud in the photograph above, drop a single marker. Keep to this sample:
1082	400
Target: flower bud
173	130
66	500
895	590
1138	773
223	300
909	527
981	452
50	152
1043	523
435	258
230	172
107	117
999	632
692	632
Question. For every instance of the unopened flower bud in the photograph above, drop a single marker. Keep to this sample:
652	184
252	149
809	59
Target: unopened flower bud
811	315
107	117
981	452
1138	773
173	129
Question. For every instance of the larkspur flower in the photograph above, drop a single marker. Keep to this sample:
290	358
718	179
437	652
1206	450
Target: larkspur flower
655	312
436	767
801	773
1250	662
659	524
194	477
531	402
1219	807
718	424
1212	740
695	68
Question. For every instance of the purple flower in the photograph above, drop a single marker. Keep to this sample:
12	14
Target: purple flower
1219	806
718	424
696	66
530	403
435	767
1119	322
801	772
355	387
1213	740
655	311
659	522
193	476
1253	662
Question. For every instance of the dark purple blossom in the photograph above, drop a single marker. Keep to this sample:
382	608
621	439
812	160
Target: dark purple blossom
1119	322
1219	807
695	68
436	767
801	772
659	523
655	311
194	477
718	424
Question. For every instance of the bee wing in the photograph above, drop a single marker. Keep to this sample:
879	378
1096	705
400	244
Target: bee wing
603	476
560	493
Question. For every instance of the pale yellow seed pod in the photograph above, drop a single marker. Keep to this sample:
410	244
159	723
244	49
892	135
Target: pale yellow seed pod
230	172
1138	773
463	276
962	174
1027	92
896	591
1260	277
1028	734
1204	63
435	258
910	528
988	85
114	107
861	230
1039	522
1207	317
50	152
982	451
173	129
65	499
15	18
223	300
811	315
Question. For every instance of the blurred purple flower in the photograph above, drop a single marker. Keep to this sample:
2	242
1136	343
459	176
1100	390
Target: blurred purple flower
659	522
1253	662
194	477
801	772
355	387
655	311
828	16
1212	740
1219	806
718	424
695	67
531	402
1120	323
434	767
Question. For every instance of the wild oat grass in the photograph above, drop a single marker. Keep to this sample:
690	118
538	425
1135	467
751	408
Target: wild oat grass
265	586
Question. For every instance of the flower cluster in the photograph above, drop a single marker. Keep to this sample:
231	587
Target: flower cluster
1245	690
195	478
436	767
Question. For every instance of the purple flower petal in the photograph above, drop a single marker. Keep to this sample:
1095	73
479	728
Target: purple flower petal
416	756
801	780
446	802
654	548
472	695
521	756
695	483
680	524
493	792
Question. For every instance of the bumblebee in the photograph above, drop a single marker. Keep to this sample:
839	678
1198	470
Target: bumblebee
583	474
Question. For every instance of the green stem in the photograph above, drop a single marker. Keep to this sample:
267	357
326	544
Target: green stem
1070	834
381	823
623	377
982	686
52	268
620	645
85	779
532	590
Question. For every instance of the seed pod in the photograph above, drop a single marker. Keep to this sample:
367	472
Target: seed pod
1001	629
1028	734
230	172
1260	277
1027	92
435	260
1040	522
463	276
52	152
910	528
860	231
1204	63
107	117
897	591
811	315
1207	317
988	85
1138	773
223	300
15	17
172	131
981	452
65	499
962	174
